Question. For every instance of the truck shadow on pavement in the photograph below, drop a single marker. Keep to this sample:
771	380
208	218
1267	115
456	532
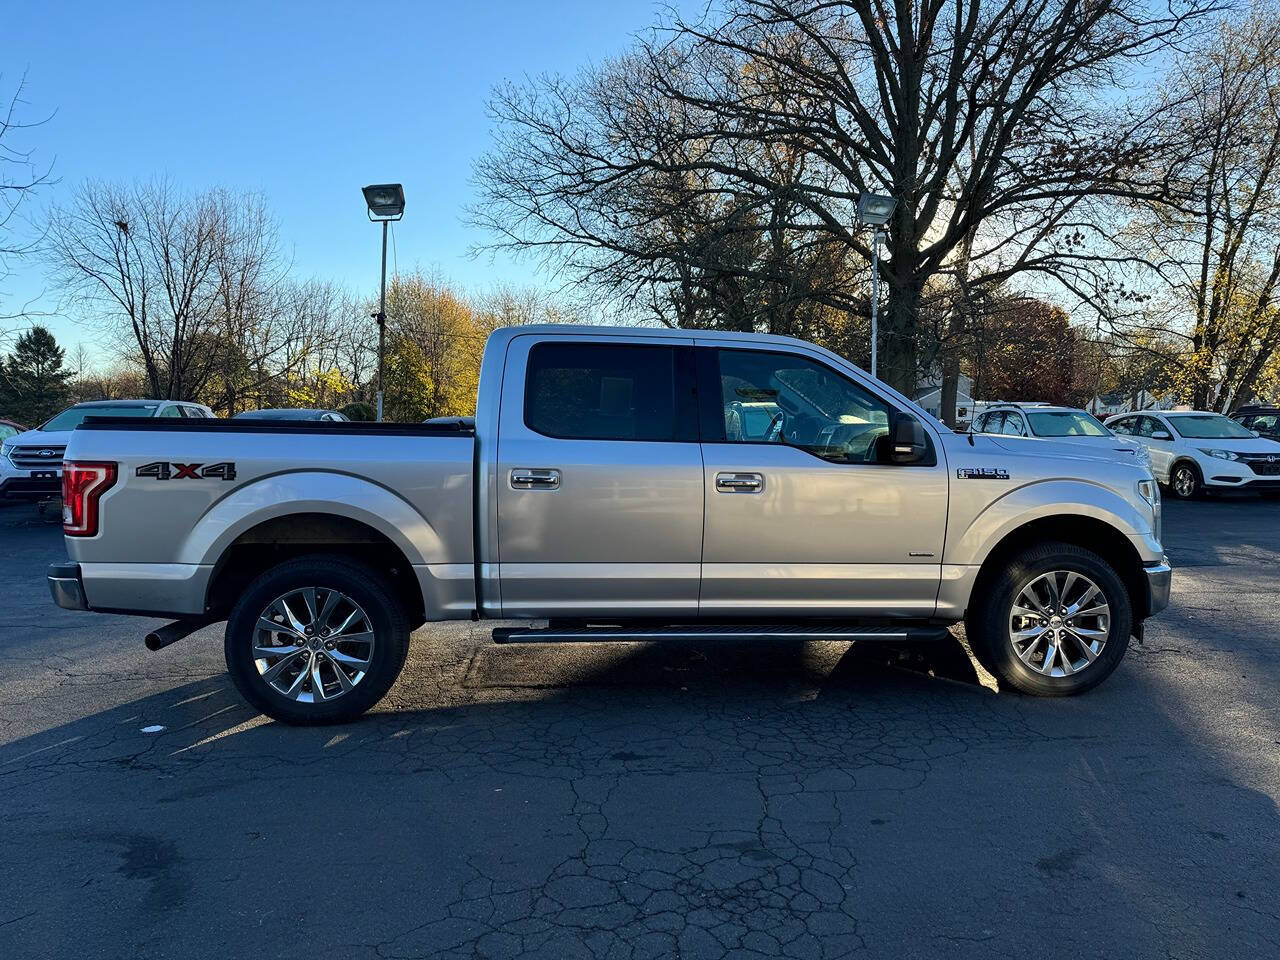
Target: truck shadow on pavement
798	801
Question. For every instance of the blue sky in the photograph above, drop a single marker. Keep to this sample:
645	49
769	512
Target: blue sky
305	102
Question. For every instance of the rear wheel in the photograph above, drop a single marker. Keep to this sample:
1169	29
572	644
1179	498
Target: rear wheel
1054	622
316	640
1184	481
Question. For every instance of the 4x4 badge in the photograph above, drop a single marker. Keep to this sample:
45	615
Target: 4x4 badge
982	473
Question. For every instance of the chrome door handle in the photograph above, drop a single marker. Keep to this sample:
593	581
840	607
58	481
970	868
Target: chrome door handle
739	482
534	478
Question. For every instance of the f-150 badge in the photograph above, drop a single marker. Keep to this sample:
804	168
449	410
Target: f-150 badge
982	473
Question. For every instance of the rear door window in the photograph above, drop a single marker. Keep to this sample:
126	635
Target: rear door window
606	391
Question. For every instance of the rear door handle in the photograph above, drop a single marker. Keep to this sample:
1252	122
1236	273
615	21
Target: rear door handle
739	482
534	478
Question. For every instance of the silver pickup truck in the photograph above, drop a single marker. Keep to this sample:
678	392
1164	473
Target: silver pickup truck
620	484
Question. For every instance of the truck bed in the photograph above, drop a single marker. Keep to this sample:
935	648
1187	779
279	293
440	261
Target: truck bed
186	490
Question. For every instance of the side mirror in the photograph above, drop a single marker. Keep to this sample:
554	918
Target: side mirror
907	441
1161	435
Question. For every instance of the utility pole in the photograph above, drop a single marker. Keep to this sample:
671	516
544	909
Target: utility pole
875	297
381	316
386	203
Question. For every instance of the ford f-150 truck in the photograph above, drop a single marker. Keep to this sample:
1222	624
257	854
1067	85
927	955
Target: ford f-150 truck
612	485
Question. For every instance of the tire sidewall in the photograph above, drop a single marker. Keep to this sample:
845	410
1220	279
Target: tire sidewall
363	586
992	644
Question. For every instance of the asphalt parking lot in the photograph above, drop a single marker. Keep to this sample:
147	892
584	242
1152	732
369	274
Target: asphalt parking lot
628	802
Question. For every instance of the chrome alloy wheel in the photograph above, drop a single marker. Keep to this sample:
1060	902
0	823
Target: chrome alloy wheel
1184	481
1059	623
313	644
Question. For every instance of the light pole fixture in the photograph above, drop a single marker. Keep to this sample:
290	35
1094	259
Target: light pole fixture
386	203
875	209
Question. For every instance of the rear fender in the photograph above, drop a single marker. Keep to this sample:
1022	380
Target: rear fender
323	492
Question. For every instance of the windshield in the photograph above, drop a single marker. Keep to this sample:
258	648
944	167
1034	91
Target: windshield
1207	426
1066	423
281	414
70	419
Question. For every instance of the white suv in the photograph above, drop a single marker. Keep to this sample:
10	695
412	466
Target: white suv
1194	451
31	462
1061	424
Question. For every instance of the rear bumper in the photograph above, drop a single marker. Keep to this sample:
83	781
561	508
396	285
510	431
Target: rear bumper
1159	581
144	589
66	586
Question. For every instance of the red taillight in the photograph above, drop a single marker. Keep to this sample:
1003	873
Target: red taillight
82	485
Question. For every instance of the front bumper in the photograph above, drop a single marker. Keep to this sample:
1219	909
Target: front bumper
66	586
1159	580
28	488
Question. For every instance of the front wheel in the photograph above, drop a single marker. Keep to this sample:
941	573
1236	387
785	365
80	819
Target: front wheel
316	640
1184	481
1054	622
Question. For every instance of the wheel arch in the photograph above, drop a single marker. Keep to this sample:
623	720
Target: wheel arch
292	536
1090	533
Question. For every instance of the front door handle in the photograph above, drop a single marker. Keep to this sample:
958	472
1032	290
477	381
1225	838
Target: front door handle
534	478
739	482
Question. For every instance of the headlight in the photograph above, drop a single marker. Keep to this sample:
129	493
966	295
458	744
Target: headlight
1220	454
5	448
1148	491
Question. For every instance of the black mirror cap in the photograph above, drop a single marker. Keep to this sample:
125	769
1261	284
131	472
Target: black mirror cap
908	442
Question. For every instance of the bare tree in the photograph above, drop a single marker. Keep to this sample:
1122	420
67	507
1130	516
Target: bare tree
20	177
998	122
190	284
1219	254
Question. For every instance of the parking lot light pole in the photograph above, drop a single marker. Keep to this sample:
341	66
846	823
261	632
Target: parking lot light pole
875	209
386	203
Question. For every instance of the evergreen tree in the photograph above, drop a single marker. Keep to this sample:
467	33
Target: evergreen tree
33	385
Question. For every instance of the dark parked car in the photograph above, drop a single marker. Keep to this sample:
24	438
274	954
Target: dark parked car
291	413
1264	419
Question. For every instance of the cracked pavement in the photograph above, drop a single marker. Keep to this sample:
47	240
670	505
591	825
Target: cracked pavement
625	801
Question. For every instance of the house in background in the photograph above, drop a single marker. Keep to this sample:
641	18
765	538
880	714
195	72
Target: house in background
1109	404
929	396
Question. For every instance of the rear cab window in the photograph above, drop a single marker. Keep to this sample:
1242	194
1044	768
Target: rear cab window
606	391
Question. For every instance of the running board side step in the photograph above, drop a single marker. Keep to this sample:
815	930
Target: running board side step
738	632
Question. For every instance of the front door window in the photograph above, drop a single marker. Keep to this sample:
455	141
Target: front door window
768	397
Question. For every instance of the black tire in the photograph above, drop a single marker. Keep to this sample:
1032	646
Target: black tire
1181	491
988	628
360	584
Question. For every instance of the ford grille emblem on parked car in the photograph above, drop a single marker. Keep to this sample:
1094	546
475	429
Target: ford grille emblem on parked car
44	453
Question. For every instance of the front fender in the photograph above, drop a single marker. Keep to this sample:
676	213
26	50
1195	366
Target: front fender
975	531
312	491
